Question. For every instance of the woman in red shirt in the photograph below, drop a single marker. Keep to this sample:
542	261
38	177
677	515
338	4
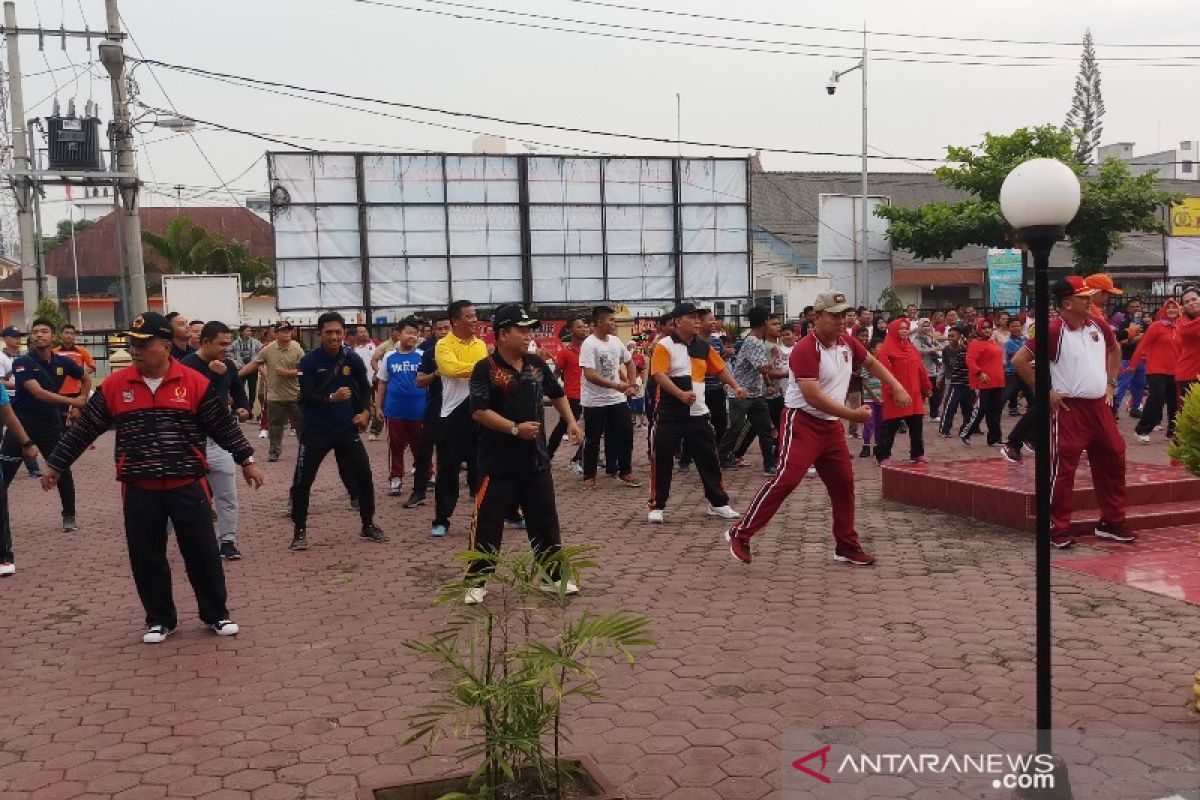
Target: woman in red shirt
1159	349
904	361
1187	335
985	370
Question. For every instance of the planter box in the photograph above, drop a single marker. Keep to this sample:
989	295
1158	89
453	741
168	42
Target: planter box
586	782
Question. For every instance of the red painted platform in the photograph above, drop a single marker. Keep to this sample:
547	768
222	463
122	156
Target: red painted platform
995	491
1165	561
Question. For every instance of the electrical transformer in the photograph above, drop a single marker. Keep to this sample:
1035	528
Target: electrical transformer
74	143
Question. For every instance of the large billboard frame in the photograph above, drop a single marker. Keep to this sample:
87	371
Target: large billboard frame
676	205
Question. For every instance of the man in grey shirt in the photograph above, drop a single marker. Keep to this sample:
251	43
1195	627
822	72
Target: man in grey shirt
751	417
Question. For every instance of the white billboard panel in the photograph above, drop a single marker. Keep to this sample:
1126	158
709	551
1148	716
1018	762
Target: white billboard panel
424	229
839	247
1183	257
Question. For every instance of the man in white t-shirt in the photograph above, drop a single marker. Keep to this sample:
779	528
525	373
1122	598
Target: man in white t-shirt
1085	360
609	380
810	433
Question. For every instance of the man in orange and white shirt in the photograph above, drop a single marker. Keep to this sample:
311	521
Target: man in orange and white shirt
678	367
78	354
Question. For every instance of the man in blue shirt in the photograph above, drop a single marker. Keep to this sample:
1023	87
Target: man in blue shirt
1013	385
402	404
335	394
39	403
429	380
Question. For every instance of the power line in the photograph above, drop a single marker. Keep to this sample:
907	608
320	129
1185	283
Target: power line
1014	60
857	32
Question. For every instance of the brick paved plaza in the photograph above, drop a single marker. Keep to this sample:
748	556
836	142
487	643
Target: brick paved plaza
310	699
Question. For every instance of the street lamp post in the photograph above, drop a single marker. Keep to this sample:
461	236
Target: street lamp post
861	285
1039	198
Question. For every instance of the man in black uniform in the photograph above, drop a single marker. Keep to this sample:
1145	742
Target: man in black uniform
162	412
39	402
212	361
335	395
506	391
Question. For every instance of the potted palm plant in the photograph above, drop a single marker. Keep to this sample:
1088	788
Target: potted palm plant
509	666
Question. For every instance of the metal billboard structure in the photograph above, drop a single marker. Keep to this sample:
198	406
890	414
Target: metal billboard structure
404	232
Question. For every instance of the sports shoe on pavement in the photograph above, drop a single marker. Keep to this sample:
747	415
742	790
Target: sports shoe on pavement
1028	448
885	462
811	471
7	568
655	515
1144	438
515	522
1062	540
1117	533
69	522
229	552
577	467
437	531
373	533
684	469
299	540
262	434
475	595
1135	413
739	548
374	437
865	452
858	557
395	486
724	512
919	460
630	481
552	587
935	419
415	499
156	633
225	627
1011	454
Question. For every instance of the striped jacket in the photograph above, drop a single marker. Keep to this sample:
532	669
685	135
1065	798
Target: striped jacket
160	435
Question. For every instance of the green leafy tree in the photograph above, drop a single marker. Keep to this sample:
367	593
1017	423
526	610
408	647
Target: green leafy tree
190	249
63	233
1113	201
891	304
47	308
1186	446
1085	120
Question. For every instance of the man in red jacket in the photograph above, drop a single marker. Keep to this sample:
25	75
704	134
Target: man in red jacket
1161	354
1084	361
985	370
162	412
1187	336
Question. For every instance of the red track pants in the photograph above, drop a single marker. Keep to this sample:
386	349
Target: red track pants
1086	425
806	441
402	433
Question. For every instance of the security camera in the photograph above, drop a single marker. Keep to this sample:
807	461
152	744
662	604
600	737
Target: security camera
831	87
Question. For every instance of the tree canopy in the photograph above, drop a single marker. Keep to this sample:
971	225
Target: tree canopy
1113	201
63	233
189	249
1085	120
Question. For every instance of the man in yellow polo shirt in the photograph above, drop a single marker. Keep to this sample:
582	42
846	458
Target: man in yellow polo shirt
457	354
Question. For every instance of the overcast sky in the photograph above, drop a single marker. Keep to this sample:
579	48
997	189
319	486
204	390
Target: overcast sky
761	99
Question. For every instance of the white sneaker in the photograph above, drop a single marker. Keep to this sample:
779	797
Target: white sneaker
8	568
812	471
262	434
576	467
475	595
225	628
1144	438
552	588
156	633
655	515
374	437
395	487
724	512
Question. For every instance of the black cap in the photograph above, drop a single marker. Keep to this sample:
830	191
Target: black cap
283	325
512	314
681	310
11	331
149	326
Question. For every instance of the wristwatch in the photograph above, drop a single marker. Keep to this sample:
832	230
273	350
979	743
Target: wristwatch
514	430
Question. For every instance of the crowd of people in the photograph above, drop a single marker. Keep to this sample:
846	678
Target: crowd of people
449	402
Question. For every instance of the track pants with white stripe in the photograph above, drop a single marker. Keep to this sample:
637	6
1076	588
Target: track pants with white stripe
1086	425
958	397
805	441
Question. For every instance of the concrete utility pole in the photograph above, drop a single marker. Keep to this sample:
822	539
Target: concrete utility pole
112	56
31	288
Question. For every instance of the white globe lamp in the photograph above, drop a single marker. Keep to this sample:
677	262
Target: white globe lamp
1041	192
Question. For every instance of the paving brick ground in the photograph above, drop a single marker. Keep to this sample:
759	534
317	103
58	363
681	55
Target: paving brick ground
310	699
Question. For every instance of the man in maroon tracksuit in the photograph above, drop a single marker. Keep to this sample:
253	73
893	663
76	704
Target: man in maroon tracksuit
162	412
1085	360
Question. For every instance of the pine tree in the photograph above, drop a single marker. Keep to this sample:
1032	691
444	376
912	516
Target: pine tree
1086	117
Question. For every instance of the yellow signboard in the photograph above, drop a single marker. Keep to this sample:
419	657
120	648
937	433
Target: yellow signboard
1185	217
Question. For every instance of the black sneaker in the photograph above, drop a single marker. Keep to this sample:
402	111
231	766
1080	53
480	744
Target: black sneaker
69	522
1012	412
415	499
1011	454
1117	533
865	452
229	552
373	533
1135	413
299	540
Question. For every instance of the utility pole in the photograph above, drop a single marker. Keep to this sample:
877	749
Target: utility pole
866	201
31	289
112	56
